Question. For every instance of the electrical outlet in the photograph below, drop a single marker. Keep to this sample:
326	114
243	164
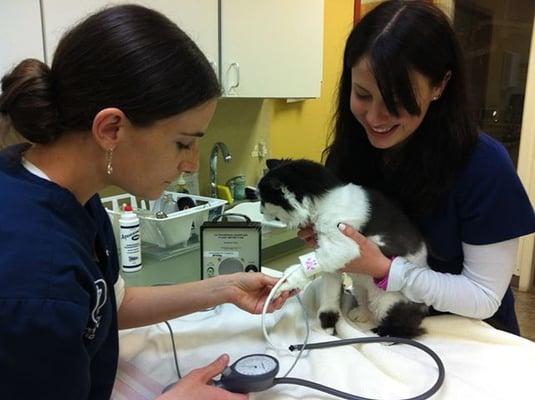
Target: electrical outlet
262	150
259	150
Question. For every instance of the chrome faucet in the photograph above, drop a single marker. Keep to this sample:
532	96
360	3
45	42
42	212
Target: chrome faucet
213	165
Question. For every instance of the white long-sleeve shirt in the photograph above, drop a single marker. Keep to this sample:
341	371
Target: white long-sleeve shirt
475	293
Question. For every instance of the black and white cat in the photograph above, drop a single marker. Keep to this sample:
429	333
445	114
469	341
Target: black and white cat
304	193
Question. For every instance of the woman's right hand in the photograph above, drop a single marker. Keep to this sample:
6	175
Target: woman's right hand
308	235
196	385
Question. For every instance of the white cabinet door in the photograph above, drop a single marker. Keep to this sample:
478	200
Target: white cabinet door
268	48
20	33
271	48
198	18
59	16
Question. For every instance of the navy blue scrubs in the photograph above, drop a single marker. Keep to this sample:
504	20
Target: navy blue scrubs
487	204
58	265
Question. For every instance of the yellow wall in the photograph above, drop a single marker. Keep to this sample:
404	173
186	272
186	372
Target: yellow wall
300	129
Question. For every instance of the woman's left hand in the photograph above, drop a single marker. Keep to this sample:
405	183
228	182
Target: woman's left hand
371	261
249	291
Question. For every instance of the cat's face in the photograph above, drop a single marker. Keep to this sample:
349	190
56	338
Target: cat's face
290	187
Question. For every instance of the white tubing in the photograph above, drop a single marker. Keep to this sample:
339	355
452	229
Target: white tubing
305	317
268	301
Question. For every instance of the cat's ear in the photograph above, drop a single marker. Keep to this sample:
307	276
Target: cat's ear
273	163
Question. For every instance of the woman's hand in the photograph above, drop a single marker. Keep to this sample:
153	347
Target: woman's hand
371	261
249	291
308	235
196	385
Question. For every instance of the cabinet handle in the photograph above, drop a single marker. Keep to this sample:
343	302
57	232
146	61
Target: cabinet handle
236	67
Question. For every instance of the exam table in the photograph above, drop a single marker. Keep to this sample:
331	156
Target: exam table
480	361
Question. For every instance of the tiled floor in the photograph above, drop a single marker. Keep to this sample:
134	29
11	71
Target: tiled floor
525	311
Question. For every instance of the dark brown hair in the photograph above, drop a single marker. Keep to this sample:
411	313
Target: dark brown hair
129	57
400	37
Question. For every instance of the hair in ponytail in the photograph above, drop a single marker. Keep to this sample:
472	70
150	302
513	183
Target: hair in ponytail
27	102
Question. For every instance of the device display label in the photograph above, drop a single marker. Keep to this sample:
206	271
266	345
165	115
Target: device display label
221	253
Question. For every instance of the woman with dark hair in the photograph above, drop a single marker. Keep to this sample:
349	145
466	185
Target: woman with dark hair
124	103
403	125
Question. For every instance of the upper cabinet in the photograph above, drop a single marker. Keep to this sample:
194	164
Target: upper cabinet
271	48
198	18
20	33
260	48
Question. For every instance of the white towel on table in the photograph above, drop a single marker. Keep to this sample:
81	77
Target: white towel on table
480	361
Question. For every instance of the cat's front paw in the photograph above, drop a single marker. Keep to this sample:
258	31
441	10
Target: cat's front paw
359	314
296	279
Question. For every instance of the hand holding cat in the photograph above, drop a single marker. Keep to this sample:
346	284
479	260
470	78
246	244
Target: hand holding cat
371	261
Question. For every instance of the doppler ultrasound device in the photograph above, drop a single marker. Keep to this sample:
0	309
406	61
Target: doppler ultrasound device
230	245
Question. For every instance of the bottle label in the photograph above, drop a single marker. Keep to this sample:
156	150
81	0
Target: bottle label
130	247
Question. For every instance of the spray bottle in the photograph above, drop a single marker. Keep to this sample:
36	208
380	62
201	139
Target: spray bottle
130	240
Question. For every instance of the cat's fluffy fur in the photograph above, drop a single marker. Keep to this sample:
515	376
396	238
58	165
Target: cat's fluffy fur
304	193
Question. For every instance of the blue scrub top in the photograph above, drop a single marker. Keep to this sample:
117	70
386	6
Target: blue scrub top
58	265
487	204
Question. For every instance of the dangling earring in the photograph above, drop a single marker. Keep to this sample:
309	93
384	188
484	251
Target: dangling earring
109	167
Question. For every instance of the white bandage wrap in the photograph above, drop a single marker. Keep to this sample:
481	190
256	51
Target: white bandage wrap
310	264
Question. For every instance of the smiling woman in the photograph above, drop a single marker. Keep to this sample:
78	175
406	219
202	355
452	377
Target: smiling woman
383	128
391	56
404	126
